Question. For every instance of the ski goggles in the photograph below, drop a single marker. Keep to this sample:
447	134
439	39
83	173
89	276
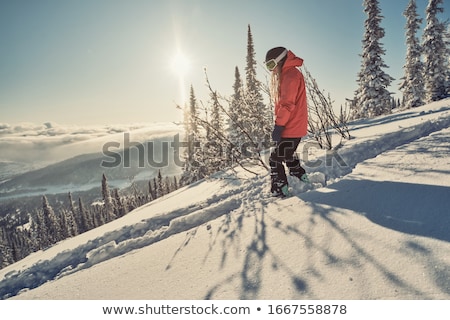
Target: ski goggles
272	63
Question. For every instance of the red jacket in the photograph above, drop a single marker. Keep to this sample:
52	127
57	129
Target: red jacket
291	110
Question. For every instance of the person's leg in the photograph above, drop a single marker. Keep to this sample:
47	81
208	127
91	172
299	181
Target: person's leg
284	150
293	162
277	173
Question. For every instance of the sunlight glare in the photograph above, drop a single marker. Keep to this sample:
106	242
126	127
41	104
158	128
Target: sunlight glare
180	64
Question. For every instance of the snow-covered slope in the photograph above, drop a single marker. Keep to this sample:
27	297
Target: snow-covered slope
373	225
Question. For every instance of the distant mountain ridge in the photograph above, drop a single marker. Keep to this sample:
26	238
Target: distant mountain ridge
87	169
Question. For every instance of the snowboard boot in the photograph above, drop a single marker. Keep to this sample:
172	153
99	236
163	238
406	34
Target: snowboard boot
296	170
279	188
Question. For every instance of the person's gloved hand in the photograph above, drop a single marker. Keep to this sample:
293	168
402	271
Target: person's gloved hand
276	133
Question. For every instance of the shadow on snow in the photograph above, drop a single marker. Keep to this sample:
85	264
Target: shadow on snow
416	209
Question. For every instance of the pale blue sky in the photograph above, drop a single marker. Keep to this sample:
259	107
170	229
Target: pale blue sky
109	61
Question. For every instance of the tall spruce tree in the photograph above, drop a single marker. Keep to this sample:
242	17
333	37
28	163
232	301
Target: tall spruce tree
155	188
435	53
121	210
151	191
255	112
65	230
70	217
372	96
213	148
40	231
413	83
86	222
51	222
216	120
23	244
107	201
175	183
192	170
191	115
234	122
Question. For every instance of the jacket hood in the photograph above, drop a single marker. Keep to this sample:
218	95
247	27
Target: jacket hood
292	60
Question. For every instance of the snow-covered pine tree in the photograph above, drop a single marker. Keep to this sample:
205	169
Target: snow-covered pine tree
192	170
121	209
168	185
21	244
40	230
372	97
256	113
85	217
151	191
72	226
107	201
71	206
35	244
65	231
175	183
212	149
15	246
5	250
161	188
51	222
191	115
98	215
155	188
435	53
413	83
234	122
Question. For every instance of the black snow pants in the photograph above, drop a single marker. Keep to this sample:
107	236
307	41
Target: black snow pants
284	152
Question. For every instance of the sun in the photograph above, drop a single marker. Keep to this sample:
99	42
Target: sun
180	64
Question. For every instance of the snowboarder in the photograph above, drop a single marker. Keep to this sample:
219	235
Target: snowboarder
291	117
